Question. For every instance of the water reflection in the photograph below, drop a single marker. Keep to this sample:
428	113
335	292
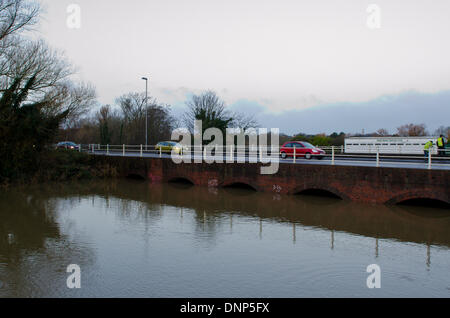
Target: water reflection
40	234
140	200
404	223
32	246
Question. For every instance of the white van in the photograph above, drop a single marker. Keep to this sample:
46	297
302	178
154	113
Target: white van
388	145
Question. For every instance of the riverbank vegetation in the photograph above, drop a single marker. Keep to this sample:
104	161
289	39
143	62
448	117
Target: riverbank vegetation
64	165
38	93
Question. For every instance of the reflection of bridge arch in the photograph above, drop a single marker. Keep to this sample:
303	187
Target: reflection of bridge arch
321	190
431	196
136	176
181	179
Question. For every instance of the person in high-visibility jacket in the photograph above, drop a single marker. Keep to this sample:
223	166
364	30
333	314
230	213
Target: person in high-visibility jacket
441	145
427	147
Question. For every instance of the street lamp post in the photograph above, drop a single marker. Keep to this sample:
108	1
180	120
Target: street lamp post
146	111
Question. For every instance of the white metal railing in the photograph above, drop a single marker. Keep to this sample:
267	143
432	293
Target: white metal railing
333	154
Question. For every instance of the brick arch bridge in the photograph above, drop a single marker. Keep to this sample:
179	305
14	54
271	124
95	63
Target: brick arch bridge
353	183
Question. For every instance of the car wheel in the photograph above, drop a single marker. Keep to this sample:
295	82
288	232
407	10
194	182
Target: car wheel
308	156
283	155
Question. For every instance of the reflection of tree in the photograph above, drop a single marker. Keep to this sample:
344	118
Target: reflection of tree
33	252
26	222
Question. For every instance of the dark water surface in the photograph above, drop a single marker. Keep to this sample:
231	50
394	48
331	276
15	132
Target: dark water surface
134	239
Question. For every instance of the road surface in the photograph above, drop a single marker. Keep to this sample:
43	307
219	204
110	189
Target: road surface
363	161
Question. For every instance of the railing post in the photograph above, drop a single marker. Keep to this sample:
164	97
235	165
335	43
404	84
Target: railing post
93	149
141	150
429	158
204	153
123	150
231	153
332	155
295	154
107	149
378	159
160	151
260	154
342	149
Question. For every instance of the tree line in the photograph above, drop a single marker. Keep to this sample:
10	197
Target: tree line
337	139
38	93
412	130
125	123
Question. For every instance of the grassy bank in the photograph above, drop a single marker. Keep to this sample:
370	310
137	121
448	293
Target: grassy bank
63	165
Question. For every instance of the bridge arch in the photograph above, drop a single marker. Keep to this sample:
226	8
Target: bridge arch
239	183
421	197
319	190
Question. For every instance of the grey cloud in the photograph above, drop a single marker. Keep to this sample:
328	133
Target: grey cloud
388	112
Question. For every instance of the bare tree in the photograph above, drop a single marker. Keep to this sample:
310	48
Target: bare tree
412	130
382	132
51	85
103	119
208	108
134	112
37	93
160	123
79	100
445	131
17	15
244	121
133	106
35	59
22	59
212	111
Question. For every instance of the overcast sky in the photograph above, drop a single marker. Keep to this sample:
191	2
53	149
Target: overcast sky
311	66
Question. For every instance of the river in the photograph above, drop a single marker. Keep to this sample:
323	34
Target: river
135	239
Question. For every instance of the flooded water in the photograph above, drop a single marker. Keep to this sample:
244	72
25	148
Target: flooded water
134	239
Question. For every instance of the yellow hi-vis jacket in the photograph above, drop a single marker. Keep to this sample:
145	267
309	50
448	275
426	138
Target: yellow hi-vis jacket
428	145
440	142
